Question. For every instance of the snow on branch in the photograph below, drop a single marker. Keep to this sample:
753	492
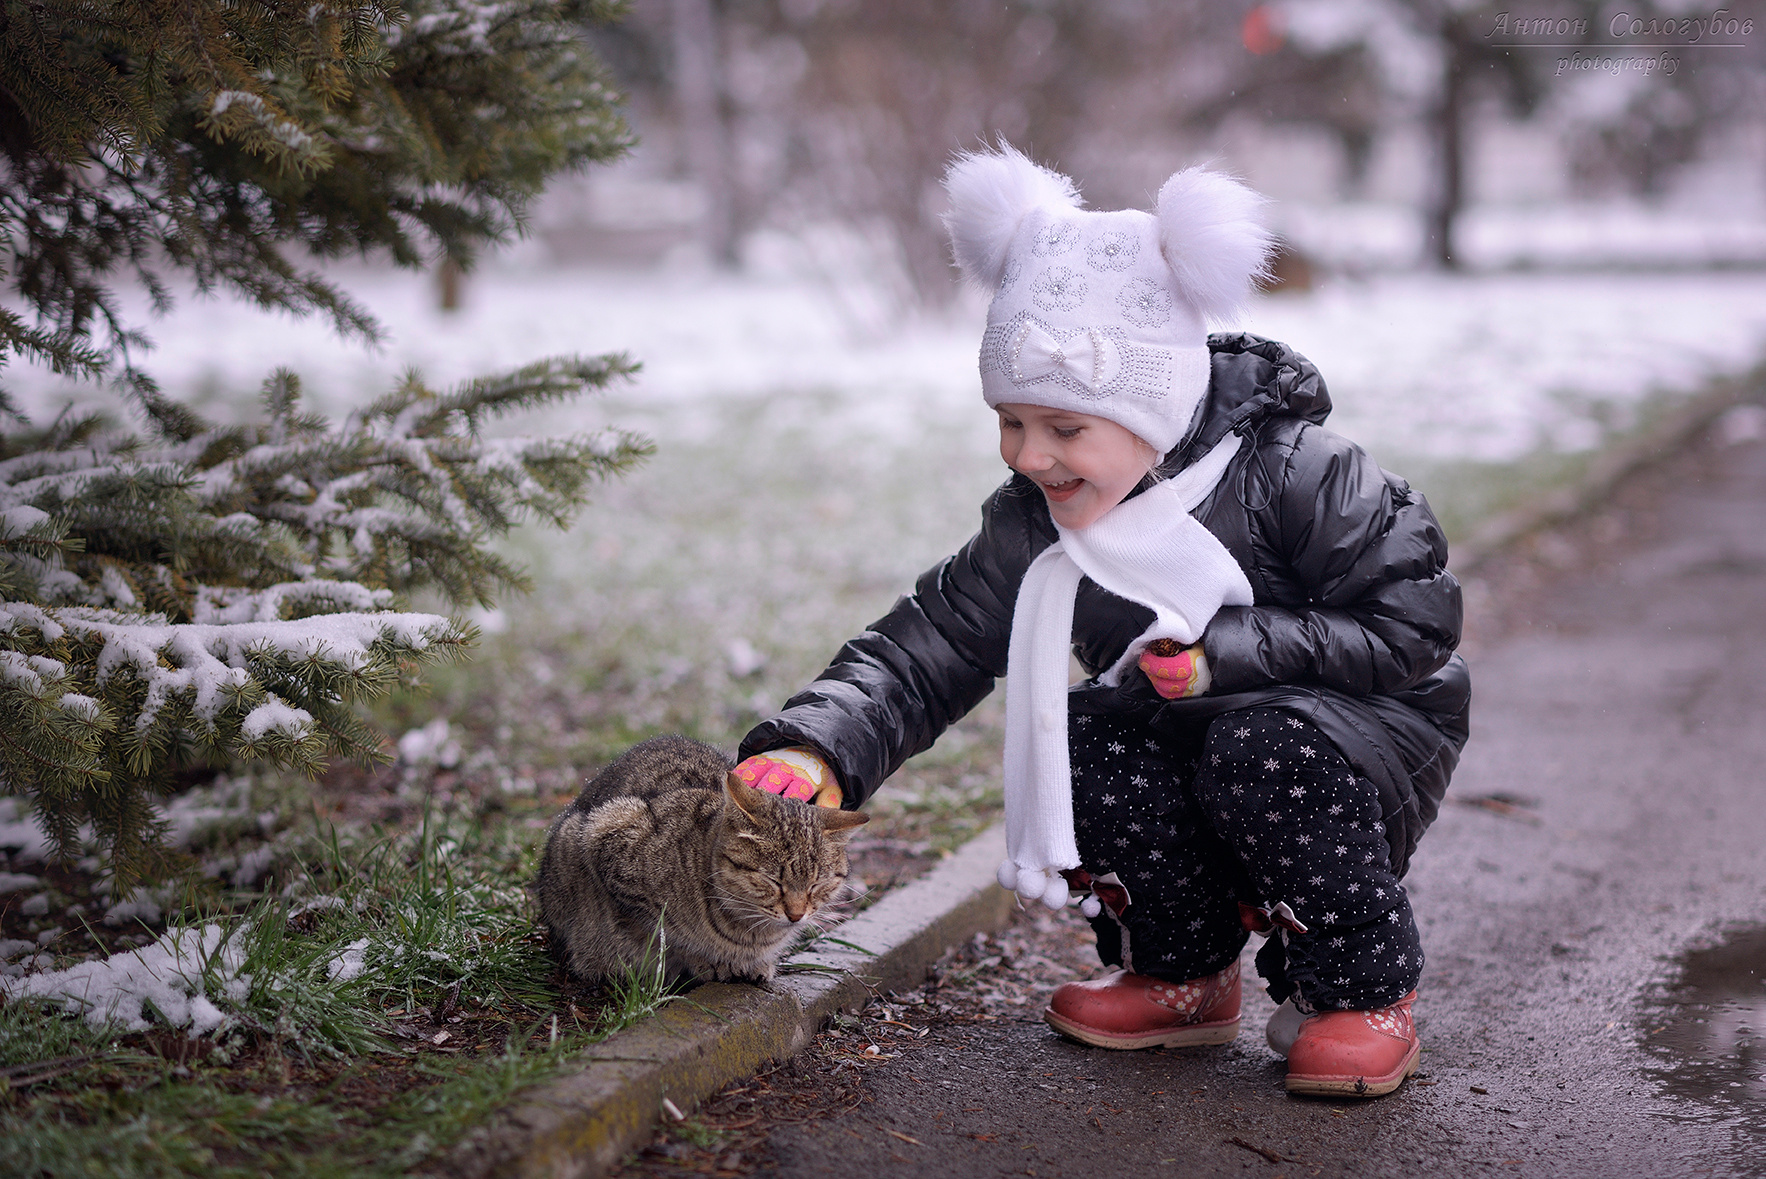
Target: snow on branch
211	594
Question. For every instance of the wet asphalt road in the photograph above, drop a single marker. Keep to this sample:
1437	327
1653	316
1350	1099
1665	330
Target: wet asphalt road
1627	708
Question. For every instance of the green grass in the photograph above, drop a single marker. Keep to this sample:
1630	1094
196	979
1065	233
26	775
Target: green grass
432	915
162	1125
786	524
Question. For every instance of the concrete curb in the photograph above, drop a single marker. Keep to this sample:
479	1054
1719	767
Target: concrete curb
580	1125
1662	437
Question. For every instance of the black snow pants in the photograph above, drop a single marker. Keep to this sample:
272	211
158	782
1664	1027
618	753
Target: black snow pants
1257	807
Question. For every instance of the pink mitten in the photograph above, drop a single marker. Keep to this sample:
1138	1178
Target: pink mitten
792	773
1175	671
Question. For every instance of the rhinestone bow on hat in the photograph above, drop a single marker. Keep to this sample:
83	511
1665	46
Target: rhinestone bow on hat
1088	356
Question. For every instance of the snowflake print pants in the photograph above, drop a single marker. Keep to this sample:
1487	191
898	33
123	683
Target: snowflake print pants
1257	807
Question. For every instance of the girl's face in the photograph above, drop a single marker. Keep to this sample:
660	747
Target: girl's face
1085	465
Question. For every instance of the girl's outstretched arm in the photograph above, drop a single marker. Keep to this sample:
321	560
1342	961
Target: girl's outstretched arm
893	689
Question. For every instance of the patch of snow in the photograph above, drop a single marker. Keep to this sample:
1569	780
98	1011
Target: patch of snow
349	965
276	715
37	906
319	904
17	882
208	661
84	707
431	744
20	834
12	947
1482	366
189	815
145	908
168	975
253	864
20	519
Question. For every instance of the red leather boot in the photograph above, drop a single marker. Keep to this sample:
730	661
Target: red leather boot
1123	1010
1354	1053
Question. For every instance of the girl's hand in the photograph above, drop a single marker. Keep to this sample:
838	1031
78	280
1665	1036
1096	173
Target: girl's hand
792	773
1176	671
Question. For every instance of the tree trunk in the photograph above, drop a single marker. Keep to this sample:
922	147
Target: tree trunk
1448	124
699	105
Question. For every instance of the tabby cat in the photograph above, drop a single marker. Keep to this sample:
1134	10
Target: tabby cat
667	834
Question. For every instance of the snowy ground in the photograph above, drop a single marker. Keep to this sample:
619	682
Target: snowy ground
1483	367
816	450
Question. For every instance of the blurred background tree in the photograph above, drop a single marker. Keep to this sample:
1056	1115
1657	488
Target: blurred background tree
191	595
846	112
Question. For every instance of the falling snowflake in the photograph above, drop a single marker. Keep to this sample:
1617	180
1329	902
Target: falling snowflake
1271	764
1308	750
1297	791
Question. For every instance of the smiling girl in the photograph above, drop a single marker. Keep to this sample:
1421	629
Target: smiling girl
1274	706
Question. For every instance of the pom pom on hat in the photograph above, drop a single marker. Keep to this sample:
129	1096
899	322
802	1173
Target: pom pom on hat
990	192
1213	239
1102	313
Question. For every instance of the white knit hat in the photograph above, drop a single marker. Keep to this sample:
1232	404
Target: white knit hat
1102	313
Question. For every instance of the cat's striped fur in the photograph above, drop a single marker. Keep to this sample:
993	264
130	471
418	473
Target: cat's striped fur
665	834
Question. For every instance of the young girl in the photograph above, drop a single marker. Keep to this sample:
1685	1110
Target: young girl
1275	706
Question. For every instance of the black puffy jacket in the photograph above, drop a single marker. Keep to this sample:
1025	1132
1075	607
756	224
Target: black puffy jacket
1354	622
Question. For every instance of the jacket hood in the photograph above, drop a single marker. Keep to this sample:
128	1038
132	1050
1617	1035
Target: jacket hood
1252	380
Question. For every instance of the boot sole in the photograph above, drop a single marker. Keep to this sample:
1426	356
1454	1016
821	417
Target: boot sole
1191	1035
1342	1086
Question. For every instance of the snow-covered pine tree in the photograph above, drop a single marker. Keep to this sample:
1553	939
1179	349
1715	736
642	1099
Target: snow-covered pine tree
185	595
207	136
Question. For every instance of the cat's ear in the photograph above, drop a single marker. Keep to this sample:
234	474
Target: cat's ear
748	800
841	822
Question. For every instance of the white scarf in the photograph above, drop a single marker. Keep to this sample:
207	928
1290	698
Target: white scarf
1148	549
